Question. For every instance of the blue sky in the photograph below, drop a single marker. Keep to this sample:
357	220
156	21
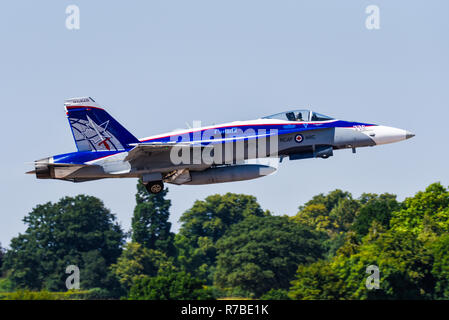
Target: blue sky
155	65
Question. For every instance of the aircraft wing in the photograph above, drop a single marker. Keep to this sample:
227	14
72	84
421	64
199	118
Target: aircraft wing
144	150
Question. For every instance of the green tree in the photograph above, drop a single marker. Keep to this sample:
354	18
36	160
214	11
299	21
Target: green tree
263	253
330	200
427	211
213	216
169	286
404	261
205	223
76	230
333	214
440	268
275	294
316	216
408	242
374	208
137	262
95	275
150	225
343	214
2	254
316	281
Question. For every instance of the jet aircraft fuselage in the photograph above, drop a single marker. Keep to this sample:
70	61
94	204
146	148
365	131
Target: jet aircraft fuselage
202	155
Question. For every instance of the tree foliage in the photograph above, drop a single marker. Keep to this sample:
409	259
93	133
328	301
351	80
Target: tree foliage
137	262
229	243
262	253
275	294
408	242
205	223
332	213
427	212
374	208
316	281
330	200
74	231
2	254
212	217
170	286
440	268
150	225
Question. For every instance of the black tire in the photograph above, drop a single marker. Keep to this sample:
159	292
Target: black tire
154	187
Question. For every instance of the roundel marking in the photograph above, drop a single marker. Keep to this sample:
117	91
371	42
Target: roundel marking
299	138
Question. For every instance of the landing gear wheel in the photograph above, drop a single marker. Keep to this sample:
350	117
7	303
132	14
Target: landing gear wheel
154	187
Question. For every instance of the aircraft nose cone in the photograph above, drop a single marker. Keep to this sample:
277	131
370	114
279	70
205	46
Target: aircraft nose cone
384	134
409	135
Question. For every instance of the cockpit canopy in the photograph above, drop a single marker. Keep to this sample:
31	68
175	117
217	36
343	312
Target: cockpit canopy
299	115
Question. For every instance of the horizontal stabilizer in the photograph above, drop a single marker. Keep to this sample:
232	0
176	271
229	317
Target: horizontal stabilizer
44	169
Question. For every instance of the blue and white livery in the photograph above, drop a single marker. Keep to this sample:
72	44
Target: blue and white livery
203	155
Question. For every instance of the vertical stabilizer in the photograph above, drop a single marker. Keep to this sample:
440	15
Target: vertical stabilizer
94	129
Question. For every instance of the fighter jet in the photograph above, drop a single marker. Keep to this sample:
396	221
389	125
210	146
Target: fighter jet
204	154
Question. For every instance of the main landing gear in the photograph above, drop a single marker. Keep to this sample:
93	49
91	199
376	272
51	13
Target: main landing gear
154	186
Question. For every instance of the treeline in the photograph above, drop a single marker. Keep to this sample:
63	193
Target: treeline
228	246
